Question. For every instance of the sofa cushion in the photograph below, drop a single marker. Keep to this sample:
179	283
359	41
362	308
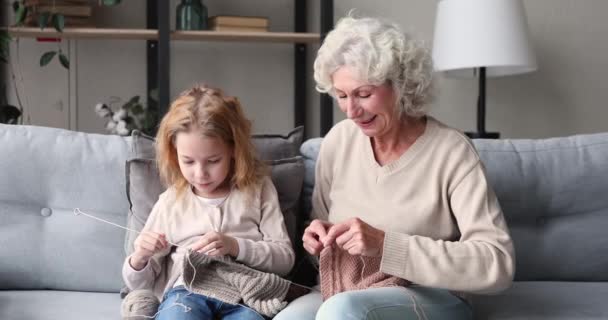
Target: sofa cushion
46	173
310	152
276	146
541	300
268	146
64	305
553	194
144	187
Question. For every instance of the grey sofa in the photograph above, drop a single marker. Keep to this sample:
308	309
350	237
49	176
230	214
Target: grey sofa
55	265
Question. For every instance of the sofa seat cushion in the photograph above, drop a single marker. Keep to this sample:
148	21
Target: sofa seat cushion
52	304
539	300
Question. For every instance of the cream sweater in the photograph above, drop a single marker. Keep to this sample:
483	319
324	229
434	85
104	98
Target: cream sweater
254	220
444	226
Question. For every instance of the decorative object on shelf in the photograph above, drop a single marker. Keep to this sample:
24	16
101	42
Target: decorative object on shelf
482	38
109	2
133	115
239	23
191	15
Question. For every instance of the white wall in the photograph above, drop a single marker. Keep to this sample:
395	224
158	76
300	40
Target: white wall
565	96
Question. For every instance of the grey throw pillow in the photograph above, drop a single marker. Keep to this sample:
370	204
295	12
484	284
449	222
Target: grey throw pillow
274	146
143	188
268	146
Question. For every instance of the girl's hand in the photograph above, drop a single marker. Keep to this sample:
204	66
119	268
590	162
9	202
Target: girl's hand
216	244
146	245
356	237
314	235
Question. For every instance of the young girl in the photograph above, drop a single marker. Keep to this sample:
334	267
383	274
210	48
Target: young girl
219	202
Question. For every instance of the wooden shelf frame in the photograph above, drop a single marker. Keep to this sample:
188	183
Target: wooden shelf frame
150	34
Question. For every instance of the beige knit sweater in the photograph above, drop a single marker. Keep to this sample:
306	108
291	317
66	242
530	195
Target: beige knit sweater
255	220
443	223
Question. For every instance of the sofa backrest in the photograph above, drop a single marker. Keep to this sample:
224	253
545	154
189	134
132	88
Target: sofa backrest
554	196
44	174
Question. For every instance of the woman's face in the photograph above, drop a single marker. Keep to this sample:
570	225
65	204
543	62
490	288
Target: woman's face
371	107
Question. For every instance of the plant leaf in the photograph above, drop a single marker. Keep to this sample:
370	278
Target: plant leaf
137	109
65	62
110	2
134	99
16	5
58	22
43	19
47	57
20	14
129	104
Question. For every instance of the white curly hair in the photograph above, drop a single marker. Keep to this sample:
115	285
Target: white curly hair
380	53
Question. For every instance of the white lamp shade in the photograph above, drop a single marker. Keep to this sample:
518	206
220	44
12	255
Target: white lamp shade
482	33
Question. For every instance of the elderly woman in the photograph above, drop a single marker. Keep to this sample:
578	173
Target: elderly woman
406	223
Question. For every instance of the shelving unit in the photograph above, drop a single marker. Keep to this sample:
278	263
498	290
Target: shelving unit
147	34
158	37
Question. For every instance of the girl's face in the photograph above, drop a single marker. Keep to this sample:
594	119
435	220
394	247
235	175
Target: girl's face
371	107
205	162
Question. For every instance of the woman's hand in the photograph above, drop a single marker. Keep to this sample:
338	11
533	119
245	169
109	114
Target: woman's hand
146	245
216	244
356	237
314	236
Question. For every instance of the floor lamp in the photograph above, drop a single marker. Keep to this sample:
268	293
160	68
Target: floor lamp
482	38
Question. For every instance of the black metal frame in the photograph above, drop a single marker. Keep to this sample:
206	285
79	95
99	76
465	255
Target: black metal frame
481	111
300	74
158	54
326	103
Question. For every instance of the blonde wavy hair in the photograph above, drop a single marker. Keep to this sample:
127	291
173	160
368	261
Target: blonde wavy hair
213	114
380	53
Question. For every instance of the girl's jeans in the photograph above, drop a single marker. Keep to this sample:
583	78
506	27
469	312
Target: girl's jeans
179	304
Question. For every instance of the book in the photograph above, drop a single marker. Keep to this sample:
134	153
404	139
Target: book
32	21
240	21
73	11
29	3
238	29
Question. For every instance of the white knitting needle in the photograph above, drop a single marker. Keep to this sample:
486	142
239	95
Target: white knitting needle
78	212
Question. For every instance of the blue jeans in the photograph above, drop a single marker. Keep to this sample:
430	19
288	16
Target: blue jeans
175	301
380	303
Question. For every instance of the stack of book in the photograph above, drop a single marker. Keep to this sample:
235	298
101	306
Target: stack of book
238	23
77	13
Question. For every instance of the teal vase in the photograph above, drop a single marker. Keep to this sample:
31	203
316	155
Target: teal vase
191	15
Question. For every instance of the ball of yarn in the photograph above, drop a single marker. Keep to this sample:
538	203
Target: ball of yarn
139	305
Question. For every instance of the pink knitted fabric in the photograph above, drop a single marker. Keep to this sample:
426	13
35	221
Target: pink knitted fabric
340	271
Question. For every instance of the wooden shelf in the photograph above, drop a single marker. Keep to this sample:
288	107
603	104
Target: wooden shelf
290	37
151	34
85	33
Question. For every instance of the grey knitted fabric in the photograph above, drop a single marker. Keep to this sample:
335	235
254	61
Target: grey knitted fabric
230	282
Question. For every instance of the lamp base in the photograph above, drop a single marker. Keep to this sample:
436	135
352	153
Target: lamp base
483	135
